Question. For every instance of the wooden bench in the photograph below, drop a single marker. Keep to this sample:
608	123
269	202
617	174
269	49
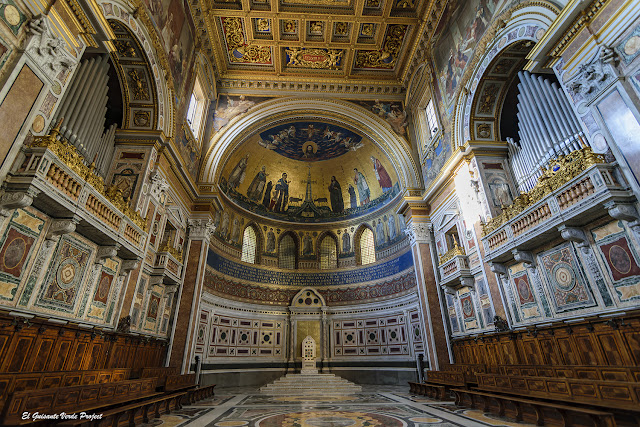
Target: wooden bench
156	372
13	382
533	411
587	372
178	382
135	413
75	399
199	393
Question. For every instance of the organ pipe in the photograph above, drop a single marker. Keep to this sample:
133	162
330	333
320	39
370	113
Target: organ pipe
547	127
84	109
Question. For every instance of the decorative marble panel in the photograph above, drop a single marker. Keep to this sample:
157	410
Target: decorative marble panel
105	293
620	258
16	250
370	337
565	280
244	337
65	276
468	312
453	317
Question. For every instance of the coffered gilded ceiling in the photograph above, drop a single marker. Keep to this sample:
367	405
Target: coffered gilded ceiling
355	41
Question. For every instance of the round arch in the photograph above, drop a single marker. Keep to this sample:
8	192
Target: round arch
524	22
356	240
158	88
259	239
296	242
239	129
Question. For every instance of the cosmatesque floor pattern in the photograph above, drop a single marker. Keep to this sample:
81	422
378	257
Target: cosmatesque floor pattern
379	406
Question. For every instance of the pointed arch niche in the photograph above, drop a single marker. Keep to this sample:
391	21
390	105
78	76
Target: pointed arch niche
308	317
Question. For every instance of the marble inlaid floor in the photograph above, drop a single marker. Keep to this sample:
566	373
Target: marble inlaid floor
379	406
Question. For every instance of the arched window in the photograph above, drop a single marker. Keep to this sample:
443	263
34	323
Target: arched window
287	252
328	253
367	247
249	245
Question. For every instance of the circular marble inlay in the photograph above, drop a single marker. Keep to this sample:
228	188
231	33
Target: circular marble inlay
12	15
632	46
14	253
231	423
565	278
620	259
103	288
599	143
56	88
540	34
523	288
330	418
67	273
331	421
427	420
38	124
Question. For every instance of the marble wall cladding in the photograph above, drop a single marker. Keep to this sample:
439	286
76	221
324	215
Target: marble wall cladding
376	336
58	277
238	336
484	300
565	279
619	256
151	307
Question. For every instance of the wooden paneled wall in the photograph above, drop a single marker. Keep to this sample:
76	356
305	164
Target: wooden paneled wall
613	341
38	345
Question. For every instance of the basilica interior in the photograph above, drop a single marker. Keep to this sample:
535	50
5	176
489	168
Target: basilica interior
335	212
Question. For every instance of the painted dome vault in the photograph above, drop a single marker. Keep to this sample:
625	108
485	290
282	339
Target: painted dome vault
309	171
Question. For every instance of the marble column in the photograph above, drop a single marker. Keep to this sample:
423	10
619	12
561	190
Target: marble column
324	336
436	340
184	325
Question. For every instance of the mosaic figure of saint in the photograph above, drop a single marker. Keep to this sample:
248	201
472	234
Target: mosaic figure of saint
363	188
392	227
380	232
238	173
271	241
266	200
381	174
346	242
225	225
335	193
257	185
282	194
352	197
307	245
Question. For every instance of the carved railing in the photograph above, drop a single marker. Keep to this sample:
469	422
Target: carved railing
56	172
169	263
572	192
455	250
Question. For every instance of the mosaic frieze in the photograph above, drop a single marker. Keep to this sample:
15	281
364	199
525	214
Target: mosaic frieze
16	250
564	277
65	276
298	280
222	286
620	258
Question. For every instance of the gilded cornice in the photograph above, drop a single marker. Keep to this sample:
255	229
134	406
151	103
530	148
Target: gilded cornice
87	29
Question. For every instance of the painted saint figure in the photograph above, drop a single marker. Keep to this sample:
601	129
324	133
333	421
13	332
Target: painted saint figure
363	188
266	200
281	194
257	185
381	173
335	193
352	197
380	232
238	173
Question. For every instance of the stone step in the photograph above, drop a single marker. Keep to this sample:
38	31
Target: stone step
310	385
